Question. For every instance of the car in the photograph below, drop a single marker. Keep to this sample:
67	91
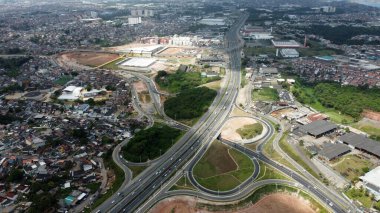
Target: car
118	193
154	186
139	179
331	204
113	202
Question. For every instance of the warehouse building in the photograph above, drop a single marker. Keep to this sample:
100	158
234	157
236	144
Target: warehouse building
371	182
331	151
362	143
286	44
289	53
318	128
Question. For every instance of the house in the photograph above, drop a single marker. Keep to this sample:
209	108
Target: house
11	196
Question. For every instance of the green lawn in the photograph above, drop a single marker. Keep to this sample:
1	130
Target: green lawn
254	51
267	172
352	166
63	80
222	168
182	184
250	131
316	49
136	170
113	65
265	94
363	197
285	146
369	128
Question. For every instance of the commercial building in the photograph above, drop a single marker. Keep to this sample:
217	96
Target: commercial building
71	93
286	44
134	20
144	51
371	182
361	142
138	64
331	151
213	21
289	53
318	128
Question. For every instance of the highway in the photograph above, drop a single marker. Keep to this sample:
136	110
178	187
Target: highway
195	143
129	198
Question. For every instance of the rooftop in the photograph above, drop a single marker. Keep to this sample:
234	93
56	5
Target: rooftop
331	150
139	62
361	142
372	177
319	127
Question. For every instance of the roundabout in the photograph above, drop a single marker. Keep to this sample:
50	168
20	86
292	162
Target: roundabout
243	129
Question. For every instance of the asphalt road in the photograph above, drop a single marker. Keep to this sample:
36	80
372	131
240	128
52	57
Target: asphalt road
132	196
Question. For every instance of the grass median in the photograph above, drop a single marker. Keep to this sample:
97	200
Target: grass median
222	168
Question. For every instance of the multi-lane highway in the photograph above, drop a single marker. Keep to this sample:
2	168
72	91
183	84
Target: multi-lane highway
133	195
196	141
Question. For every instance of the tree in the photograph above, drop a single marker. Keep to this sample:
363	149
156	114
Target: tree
301	142
89	87
15	175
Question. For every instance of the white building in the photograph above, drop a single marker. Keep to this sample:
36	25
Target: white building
181	41
213	21
134	20
289	53
71	93
371	182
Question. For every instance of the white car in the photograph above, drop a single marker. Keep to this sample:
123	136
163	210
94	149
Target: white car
113	202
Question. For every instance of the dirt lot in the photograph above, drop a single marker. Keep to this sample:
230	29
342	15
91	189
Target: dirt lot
279	113
229	129
274	203
140	87
372	115
88	58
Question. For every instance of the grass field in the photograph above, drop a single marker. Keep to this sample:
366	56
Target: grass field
113	65
267	172
136	170
265	94
363	197
367	127
63	80
285	146
250	131
254	51
269	151
316	49
215	85
222	168
352	166
182	184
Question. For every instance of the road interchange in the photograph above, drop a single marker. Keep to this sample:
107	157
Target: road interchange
194	144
